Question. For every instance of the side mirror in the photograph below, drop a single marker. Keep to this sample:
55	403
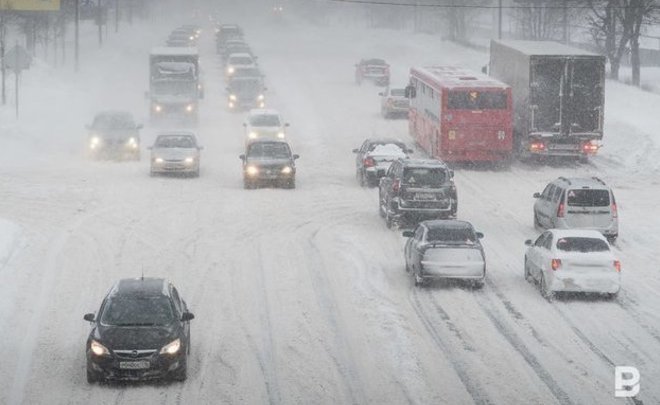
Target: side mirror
528	242
286	124
139	126
479	235
408	234
187	316
356	150
451	174
242	157
295	157
536	195
89	317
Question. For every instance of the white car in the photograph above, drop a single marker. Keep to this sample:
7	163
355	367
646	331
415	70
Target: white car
393	102
576	260
264	123
175	152
238	61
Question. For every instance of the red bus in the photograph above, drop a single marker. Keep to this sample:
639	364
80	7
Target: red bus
458	115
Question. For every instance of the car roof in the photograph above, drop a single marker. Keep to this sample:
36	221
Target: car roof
114	113
446	224
263	111
424	163
176	133
577	233
268	140
144	286
240	54
374	61
384	140
583	182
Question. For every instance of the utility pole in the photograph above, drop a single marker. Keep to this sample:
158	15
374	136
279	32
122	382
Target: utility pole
116	16
2	56
499	20
77	35
99	21
565	33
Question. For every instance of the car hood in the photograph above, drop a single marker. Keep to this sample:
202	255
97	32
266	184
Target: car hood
114	133
173	153
265	130
136	338
180	99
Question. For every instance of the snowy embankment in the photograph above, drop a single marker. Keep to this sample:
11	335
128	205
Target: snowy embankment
8	239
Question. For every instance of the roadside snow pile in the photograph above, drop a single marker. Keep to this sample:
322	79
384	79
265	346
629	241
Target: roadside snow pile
8	238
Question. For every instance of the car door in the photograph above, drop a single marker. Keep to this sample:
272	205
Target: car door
543	206
534	255
360	155
181	307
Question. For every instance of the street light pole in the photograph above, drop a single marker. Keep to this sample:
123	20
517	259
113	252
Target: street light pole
77	35
116	15
499	20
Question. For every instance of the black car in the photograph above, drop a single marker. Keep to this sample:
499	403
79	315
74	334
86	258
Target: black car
226	32
374	158
142	332
414	190
269	162
114	135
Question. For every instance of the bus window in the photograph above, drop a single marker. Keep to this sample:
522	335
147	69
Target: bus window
475	100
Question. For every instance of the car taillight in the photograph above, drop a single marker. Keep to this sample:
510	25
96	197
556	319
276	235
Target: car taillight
396	184
390	101
368	162
617	266
537	147
615	212
560	210
555	264
590	148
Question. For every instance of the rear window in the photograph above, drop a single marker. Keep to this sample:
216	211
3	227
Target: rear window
398	92
458	235
424	176
583	245
476	100
588	198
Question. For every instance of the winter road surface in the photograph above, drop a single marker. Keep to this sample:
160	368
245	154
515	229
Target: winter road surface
300	296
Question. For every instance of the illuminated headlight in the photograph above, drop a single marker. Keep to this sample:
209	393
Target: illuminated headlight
190	108
192	37
231	104
98	349
158	108
230	70
94	142
262	104
158	160
172	347
253	135
260	97
281	135
287	170
252	171
189	160
501	135
232	97
132	143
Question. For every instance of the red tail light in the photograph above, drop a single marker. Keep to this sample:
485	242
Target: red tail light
590	148
555	264
617	266
368	162
396	184
615	212
560	210
536	147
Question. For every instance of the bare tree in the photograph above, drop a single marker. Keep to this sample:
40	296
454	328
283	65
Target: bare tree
539	19
460	15
642	12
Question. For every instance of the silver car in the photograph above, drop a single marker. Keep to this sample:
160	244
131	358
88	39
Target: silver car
393	103
175	152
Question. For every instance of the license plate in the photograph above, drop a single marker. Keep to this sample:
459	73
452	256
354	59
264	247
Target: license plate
564	147
424	196
134	365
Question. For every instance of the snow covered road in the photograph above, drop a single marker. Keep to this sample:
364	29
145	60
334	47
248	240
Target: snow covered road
301	296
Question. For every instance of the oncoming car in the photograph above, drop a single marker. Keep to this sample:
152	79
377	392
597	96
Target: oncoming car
141	332
114	135
239	60
269	162
573	260
264	123
175	152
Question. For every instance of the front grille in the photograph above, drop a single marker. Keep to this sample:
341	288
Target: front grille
134	354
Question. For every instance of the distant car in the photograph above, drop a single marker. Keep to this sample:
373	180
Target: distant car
264	124
445	249
192	29
575	260
226	32
269	162
376	70
175	152
141	332
415	190
374	157
245	90
236	46
114	135
239	61
181	38
393	103
577	203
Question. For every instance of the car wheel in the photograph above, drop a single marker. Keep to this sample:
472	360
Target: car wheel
248	185
92	377
418	280
613	296
478	284
545	292
389	221
291	183
381	209
360	178
528	275
537	224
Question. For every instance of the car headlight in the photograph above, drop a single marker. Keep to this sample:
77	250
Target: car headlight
252	171
230	70
158	108
232	97
158	160
172	347
94	142
189	160
98	349
190	108
281	135
253	135
287	170
192	37
231	104
260	97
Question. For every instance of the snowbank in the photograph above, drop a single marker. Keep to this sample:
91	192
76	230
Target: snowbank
8	237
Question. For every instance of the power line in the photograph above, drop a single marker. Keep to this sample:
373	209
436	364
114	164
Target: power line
463	6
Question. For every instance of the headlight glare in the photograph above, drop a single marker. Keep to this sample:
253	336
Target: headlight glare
230	70
98	349
260	97
158	160
280	135
252	171
189	160
232	97
287	170
253	135
172	347
158	108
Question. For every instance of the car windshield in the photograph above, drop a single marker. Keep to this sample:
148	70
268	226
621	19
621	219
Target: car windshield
584	245
265	120
174	88
175	141
114	121
245	86
247	73
240	60
269	150
398	92
378	62
137	311
588	198
451	234
424	176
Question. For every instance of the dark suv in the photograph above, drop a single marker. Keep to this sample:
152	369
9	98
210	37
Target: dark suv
142	332
269	162
415	190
